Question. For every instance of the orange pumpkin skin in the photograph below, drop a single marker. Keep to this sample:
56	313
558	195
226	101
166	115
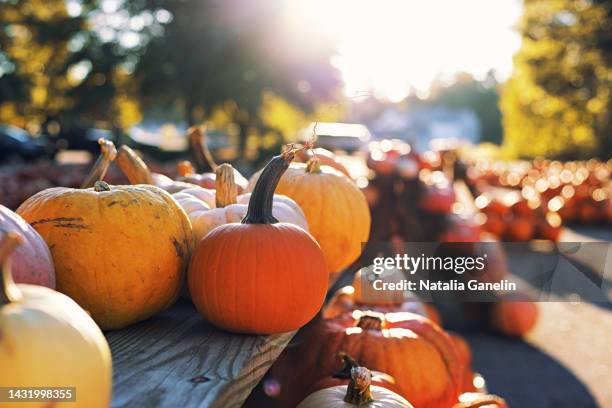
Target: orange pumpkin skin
465	354
324	156
259	276
514	318
480	400
120	254
336	210
410	348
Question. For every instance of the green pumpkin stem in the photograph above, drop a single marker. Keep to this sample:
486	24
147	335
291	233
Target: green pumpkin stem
358	390
202	157
100	167
9	292
134	168
225	186
260	204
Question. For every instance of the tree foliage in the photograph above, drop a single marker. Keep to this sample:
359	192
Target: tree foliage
558	102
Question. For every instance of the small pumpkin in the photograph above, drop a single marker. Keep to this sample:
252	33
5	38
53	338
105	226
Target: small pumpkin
31	261
336	210
49	341
119	251
410	348
363	296
358	392
259	275
514	317
480	400
205	164
325	157
207	209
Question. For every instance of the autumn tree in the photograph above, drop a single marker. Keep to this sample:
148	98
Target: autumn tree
558	102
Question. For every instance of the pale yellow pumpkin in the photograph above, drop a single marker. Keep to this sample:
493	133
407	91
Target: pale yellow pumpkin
121	252
47	340
336	210
208	209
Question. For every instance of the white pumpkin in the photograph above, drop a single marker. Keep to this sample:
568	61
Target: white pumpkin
359	392
47	340
208	209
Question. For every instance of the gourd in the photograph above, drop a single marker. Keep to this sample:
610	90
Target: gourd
119	251
47	340
410	348
208	209
259	275
205	164
31	261
358	392
336	210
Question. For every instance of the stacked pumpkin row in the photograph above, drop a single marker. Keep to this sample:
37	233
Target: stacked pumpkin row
122	254
568	191
385	347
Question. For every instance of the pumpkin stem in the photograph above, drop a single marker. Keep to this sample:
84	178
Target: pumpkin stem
358	390
100	167
185	168
202	157
313	165
134	168
9	292
349	363
370	321
225	186
260	204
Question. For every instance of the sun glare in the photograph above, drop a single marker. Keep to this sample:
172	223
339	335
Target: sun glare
392	46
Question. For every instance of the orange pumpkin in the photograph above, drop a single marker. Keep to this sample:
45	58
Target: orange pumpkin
410	348
363	296
119	251
275	271
465	354
514	318
336	210
324	156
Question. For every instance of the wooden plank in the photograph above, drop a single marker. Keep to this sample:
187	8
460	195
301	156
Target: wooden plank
177	359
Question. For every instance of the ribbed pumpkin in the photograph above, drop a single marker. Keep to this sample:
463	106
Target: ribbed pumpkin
337	212
208	209
31	261
363	296
259	276
47	340
119	251
358	392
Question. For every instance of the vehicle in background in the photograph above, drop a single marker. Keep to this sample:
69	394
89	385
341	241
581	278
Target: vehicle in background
81	138
350	137
16	142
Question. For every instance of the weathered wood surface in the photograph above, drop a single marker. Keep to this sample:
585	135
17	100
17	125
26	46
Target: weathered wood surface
177	359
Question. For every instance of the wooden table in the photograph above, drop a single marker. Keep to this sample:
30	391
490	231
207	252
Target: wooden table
177	359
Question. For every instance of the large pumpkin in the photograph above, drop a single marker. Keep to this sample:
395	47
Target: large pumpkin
259	276
337	212
119	251
47	340
358	392
208	209
31	261
413	350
